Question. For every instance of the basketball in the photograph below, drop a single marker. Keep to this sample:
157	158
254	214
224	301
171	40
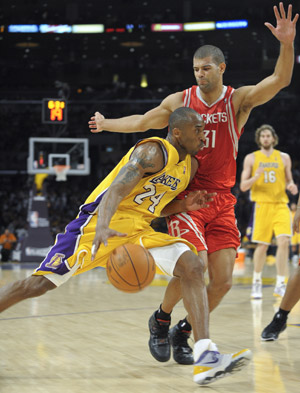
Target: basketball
130	268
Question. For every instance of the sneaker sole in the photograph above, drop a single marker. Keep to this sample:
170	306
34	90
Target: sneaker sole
232	368
269	339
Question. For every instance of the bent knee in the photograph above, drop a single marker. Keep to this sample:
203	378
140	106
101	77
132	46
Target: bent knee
190	265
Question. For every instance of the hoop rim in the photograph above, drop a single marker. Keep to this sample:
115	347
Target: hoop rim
61	171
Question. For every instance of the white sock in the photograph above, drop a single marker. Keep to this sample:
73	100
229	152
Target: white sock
257	277
279	280
202	346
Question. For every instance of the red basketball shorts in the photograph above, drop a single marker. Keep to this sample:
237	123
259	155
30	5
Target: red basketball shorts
212	229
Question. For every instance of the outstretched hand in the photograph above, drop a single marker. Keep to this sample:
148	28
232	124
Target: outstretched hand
285	30
96	122
101	236
199	199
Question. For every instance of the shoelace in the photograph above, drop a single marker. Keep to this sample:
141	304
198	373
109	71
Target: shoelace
180	338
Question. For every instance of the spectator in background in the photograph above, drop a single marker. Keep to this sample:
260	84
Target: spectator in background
7	240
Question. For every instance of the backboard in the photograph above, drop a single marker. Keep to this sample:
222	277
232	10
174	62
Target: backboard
45	153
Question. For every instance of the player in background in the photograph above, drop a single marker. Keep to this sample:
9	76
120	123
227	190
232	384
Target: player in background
213	231
267	174
120	210
290	298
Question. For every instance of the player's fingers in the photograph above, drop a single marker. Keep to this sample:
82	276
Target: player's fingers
282	10
270	27
289	13
276	12
120	234
95	247
295	18
211	194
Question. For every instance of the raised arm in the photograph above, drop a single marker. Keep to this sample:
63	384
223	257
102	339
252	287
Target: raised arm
147	158
247	180
248	97
156	118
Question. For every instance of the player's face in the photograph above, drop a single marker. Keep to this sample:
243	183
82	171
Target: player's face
193	138
207	73
266	139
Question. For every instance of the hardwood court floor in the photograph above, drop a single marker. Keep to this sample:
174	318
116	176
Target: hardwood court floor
87	337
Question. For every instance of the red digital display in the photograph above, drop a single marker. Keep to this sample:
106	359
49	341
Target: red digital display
54	111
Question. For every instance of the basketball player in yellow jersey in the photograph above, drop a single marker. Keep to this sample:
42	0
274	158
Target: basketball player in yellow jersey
120	210
267	174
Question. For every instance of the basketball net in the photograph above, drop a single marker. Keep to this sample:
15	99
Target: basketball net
61	172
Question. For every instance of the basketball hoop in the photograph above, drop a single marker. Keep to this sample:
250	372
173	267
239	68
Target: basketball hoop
61	172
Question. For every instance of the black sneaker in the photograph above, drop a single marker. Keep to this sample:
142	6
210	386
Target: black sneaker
182	352
271	332
159	342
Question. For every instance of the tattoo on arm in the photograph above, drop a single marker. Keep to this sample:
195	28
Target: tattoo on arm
128	173
145	161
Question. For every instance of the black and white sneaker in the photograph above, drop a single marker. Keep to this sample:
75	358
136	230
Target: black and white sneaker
159	343
182	352
271	332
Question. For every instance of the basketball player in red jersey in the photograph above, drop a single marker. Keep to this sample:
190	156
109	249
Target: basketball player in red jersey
213	231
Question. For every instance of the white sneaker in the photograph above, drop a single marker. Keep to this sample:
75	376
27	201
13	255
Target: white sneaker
256	292
212	365
295	260
279	290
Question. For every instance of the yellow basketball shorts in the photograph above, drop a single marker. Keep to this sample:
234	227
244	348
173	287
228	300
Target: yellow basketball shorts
295	239
71	253
270	219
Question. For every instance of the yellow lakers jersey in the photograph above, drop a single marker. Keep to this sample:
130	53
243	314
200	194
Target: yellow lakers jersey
270	186
153	192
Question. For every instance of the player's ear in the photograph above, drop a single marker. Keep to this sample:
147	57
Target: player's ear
176	132
222	67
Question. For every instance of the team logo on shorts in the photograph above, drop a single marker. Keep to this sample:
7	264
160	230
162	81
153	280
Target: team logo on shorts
55	261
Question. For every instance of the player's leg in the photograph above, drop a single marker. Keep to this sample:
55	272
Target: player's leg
283	234
209	364
190	228
259	258
289	300
59	264
220	268
262	233
281	258
180	333
17	291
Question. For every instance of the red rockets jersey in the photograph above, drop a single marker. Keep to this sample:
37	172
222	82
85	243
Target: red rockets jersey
217	161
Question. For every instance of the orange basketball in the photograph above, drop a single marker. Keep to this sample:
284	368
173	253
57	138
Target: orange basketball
130	268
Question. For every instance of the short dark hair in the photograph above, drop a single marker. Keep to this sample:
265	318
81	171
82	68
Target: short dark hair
181	116
210	50
263	128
